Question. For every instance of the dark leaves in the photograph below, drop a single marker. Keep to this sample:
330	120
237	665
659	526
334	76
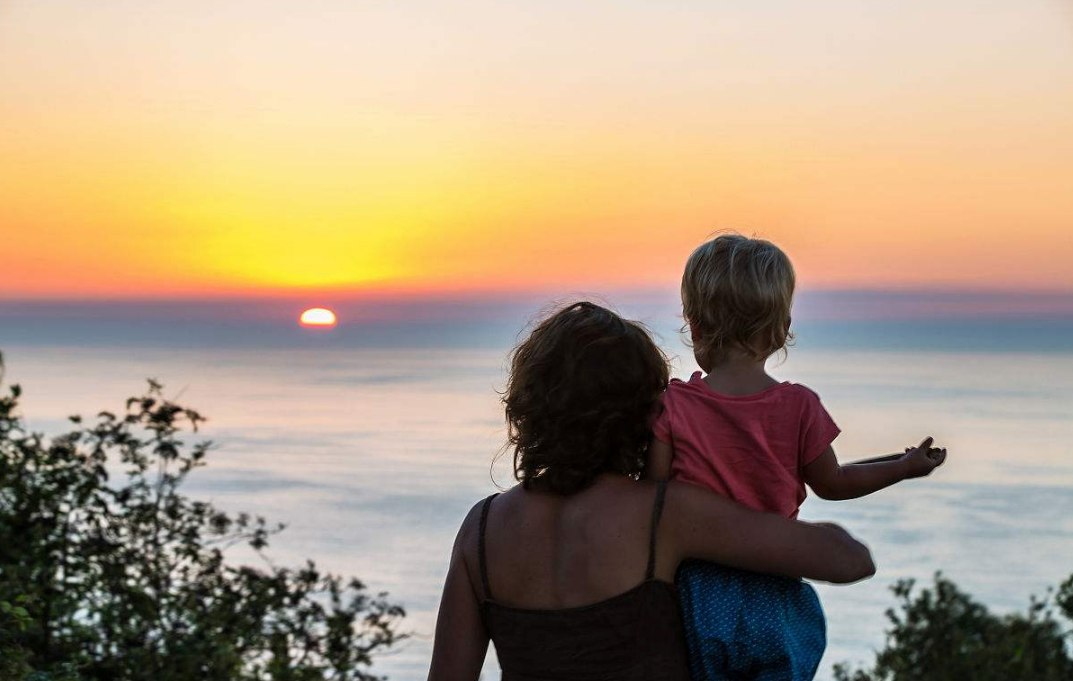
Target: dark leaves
942	634
127	580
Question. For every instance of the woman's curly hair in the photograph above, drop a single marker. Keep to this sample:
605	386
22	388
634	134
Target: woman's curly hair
582	393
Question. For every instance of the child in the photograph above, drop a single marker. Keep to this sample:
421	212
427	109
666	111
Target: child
742	433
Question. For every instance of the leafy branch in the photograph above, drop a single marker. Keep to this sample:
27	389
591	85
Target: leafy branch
108	571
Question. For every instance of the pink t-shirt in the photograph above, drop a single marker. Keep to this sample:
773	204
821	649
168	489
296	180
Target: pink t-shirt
750	448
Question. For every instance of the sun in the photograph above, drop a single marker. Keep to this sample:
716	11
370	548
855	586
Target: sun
317	316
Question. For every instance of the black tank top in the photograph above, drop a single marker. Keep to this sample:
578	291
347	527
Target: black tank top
634	636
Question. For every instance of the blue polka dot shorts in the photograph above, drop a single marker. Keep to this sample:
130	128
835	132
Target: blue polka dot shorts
745	626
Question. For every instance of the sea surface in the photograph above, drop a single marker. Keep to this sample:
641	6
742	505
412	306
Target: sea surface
372	441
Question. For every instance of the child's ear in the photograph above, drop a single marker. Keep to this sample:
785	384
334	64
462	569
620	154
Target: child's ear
694	335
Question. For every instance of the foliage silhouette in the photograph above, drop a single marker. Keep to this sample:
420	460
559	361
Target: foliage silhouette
942	634
107	571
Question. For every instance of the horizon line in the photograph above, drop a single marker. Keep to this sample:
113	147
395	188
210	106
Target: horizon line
874	304
509	293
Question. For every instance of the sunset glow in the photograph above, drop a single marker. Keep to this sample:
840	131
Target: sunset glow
317	316
362	147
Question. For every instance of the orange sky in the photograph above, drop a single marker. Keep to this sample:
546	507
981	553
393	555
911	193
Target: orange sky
199	148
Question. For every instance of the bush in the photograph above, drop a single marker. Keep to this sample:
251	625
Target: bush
125	578
942	634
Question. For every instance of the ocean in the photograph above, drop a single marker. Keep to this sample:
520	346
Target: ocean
373	440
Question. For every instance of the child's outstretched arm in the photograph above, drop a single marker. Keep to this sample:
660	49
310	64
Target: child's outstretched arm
831	480
658	461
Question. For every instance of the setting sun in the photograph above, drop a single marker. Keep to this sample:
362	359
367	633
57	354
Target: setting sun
317	316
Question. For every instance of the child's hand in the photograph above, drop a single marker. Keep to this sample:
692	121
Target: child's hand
921	460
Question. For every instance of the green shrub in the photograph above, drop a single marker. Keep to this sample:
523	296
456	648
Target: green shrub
942	634
108	572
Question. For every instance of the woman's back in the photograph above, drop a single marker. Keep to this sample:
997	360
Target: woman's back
570	588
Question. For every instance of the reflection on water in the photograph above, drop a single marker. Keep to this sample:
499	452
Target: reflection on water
372	457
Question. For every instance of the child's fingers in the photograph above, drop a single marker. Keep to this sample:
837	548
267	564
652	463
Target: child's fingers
937	456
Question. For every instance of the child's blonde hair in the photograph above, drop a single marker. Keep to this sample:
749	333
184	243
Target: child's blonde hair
736	294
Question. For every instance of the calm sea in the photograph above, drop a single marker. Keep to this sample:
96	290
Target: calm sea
372	441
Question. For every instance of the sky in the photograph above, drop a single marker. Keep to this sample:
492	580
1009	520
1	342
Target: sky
198	149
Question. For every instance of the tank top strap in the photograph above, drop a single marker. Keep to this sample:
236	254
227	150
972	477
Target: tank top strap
657	511
480	547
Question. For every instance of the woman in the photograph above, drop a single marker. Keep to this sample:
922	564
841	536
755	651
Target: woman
570	573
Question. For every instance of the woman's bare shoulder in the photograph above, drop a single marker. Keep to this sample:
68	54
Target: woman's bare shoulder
471	525
466	543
